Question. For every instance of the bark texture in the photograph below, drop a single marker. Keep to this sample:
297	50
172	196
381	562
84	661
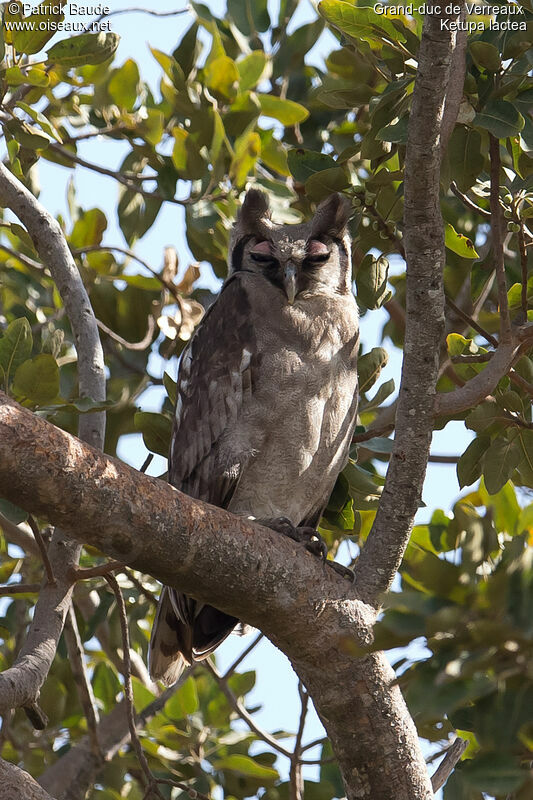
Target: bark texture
306	609
425	256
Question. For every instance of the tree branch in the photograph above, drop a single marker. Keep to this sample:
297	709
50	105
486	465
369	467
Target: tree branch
22	682
447	765
497	240
424	244
14	783
308	611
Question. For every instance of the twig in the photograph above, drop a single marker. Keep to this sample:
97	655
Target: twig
97	248
101	570
117	176
443	459
229	672
446	767
471	322
243	713
147	461
372	433
140	586
523	265
42	549
296	783
128	689
497	241
79	673
473	358
26	260
19	588
141	345
468	202
137	10
151	780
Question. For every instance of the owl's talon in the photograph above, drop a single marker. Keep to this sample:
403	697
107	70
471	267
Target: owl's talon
305	535
341	570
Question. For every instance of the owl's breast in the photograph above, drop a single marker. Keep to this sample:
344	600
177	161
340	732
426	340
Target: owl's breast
297	431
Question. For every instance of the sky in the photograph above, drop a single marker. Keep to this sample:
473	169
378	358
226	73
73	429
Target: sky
276	683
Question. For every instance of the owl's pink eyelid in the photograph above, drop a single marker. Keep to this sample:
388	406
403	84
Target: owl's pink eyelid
316	248
262	248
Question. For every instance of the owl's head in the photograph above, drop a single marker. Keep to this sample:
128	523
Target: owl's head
311	257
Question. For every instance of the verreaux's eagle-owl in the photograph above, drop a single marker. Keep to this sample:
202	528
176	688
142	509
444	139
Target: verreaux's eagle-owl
266	398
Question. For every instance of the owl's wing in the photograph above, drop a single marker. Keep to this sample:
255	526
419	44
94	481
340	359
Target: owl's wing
215	380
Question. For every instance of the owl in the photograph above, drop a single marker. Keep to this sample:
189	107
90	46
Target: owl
266	399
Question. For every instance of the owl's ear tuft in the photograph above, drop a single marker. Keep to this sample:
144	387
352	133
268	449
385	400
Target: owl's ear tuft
255	211
332	216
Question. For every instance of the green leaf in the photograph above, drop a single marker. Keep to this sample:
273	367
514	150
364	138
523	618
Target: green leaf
371	280
465	156
37	31
285	111
35	76
88	229
106	685
88	48
250	16
246	766
12	512
247	151
384	391
495	773
221	75
241	683
485	55
483	417
369	367
252	69
396	133
458	243
304	163
170	385
500	461
37	380
469	465
15	345
184	701
136	213
359	22
41	120
458	345
124	85
322	184
142	696
500	118
156	430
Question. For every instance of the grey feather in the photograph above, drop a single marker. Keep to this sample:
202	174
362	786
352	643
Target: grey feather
267	395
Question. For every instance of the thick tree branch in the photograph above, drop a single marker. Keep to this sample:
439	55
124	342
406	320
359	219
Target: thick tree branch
308	611
15	783
424	245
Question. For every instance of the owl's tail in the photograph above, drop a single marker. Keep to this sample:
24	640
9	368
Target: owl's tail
184	631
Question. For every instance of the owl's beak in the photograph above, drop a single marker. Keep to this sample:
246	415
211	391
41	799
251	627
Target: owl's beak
289	282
